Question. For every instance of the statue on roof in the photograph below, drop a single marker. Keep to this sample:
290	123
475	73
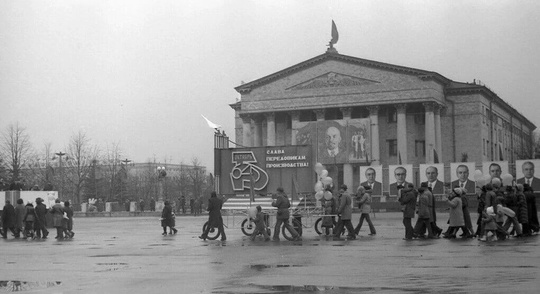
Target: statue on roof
334	40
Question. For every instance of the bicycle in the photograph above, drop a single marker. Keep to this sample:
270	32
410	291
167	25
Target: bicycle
213	233
248	226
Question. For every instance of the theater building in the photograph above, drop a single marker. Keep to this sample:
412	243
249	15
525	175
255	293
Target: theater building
356	112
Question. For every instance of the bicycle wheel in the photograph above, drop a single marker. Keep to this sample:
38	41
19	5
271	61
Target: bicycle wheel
248	227
296	225
213	234
318	226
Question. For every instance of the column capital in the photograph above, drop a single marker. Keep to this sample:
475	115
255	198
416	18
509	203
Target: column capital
373	109
246	117
256	117
295	115
270	116
429	106
346	111
401	106
319	113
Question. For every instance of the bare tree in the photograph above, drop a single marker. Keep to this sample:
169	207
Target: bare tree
15	148
197	175
112	160
80	155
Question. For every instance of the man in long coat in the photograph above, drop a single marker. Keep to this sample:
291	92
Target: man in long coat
408	200
41	224
8	219
282	203
214	216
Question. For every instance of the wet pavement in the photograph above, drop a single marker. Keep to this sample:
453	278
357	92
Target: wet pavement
129	255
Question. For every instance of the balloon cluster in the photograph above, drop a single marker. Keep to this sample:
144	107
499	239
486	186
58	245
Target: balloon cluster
323	182
481	179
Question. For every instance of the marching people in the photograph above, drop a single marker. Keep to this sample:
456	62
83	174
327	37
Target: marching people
521	213
20	212
68	220
152	204
214	217
344	213
407	198
260	225
510	200
456	220
481	198
40	225
364	203
8	219
423	222
141	204
57	212
282	203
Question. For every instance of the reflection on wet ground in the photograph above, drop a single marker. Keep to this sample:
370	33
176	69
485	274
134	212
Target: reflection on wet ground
17	286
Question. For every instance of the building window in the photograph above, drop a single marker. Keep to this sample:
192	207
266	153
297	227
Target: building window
392	115
392	147
419	148
420	119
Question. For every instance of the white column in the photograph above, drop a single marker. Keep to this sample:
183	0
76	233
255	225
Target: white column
257	127
246	130
402	131
374	121
429	131
438	134
295	118
271	129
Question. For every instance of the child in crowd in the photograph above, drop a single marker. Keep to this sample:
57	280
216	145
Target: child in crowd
489	223
260	225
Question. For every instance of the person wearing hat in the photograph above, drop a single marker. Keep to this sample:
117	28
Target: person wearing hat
20	211
282	203
57	212
364	203
424	213
344	213
8	219
407	199
215	220
40	225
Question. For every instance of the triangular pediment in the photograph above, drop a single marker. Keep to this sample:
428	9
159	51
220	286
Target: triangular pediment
332	80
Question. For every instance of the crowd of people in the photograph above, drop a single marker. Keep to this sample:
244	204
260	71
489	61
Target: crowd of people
30	222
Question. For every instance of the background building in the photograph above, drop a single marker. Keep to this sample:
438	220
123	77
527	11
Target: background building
356	112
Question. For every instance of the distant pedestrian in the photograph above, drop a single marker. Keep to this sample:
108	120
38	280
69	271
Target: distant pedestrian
192	206
68	220
8	219
260	225
215	220
57	212
183	204
40	225
364	203
20	212
407	199
167	218
141	204
127	205
344	213
152	204
29	219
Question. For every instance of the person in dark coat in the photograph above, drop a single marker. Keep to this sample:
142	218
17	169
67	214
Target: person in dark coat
282	204
468	231
57	212
407	198
29	219
68	222
8	219
522	213
141	204
20	212
40	225
167	218
214	216
152	204
532	221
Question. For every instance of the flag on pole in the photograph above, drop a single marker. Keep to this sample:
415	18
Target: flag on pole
335	34
211	124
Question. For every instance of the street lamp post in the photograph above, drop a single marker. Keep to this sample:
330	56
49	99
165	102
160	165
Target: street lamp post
161	174
61	192
124	188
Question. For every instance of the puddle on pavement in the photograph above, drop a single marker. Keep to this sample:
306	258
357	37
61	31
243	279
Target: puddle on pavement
159	244
19	286
105	255
260	267
276	289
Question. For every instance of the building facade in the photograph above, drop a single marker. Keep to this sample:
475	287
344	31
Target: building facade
357	112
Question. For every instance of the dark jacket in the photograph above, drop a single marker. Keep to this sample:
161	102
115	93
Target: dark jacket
20	211
282	203
8	216
408	200
30	215
58	215
522	213
214	212
41	212
166	216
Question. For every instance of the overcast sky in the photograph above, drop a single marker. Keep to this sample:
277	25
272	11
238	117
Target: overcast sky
141	73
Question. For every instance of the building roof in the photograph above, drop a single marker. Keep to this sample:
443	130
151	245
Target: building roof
451	87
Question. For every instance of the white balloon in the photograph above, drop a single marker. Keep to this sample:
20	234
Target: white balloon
318	186
252	212
328	195
496	182
327	181
319	195
507	179
477	174
319	168
324	173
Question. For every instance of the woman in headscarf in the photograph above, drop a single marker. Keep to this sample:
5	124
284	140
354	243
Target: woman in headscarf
456	214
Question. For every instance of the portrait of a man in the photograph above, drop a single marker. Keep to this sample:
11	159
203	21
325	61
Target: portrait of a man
402	175
495	168
461	176
430	174
526	176
332	148
369	176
